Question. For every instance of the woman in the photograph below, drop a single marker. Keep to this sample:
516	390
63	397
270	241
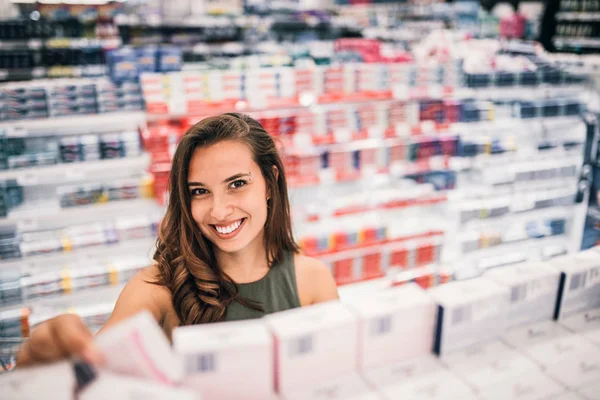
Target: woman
225	249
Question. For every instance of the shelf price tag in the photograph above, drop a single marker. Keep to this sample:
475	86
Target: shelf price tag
27	225
342	135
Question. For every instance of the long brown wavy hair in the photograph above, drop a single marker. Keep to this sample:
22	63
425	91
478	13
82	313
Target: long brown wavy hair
187	265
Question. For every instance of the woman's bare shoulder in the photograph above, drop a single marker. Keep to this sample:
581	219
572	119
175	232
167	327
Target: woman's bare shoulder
315	282
143	292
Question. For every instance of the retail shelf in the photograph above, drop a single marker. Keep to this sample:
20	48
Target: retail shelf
134	247
75	172
530	250
578	16
34	217
75	124
576	42
44	308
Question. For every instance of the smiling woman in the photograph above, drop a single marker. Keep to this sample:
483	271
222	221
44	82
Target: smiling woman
225	249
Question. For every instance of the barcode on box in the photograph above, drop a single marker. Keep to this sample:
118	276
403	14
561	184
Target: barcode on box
577	281
460	315
518	293
301	345
381	326
202	363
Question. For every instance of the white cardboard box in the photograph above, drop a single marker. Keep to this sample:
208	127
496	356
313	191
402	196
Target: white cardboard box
529	385
576	372
313	344
116	387
525	337
440	385
138	347
533	291
395	325
586	323
488	364
591	392
38	382
469	312
402	372
579	283
563	349
350	387
229	360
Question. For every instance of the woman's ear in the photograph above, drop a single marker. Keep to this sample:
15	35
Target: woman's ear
276	172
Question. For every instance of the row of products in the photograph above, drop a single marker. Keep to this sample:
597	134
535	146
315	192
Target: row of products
128	63
70	279
545	343
376	261
13	195
56	98
531	230
27	150
500	206
95	193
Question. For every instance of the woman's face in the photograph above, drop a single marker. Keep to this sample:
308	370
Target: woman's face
229	195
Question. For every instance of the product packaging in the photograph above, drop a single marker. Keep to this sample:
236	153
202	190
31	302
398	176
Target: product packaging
394	325
350	387
107	385
231	360
312	345
533	291
469	312
54	380
137	347
586	323
579	288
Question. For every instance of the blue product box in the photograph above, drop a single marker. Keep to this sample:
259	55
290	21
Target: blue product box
552	76
551	108
528	78
169	58
571	107
122	64
478	80
147	59
504	79
470	112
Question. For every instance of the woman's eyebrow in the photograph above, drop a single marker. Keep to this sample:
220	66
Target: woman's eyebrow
231	178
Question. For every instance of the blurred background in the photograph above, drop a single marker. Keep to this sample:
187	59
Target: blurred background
424	141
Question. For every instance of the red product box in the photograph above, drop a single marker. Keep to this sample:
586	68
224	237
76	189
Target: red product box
372	266
425	254
343	270
340	240
399	258
310	245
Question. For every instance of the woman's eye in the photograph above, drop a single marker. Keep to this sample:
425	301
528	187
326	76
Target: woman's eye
237	184
198	192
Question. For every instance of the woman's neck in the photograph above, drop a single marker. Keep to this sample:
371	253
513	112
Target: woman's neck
246	265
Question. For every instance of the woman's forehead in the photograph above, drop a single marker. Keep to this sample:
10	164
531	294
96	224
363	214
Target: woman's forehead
220	161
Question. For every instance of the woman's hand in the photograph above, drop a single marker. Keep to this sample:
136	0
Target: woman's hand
59	338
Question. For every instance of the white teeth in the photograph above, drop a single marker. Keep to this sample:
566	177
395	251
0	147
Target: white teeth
228	229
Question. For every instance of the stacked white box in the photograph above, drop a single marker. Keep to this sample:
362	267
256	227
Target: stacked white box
469	312
489	364
395	325
229	360
117	387
533	291
313	344
438	385
586	323
579	283
349	387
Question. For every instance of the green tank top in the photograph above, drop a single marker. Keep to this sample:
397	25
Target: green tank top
276	291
